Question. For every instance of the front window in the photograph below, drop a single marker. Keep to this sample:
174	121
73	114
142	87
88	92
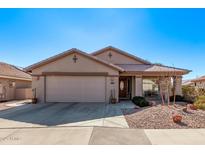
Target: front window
122	85
150	87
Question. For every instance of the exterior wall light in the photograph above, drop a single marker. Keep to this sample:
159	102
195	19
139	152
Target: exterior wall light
112	81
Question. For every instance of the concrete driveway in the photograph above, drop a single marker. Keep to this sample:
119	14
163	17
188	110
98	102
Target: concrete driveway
65	114
68	123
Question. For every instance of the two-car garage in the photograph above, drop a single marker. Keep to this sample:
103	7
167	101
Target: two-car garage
75	88
74	76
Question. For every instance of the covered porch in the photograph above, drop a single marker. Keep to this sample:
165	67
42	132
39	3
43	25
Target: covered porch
149	81
130	86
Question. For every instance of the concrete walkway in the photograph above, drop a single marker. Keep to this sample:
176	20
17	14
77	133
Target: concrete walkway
13	104
100	136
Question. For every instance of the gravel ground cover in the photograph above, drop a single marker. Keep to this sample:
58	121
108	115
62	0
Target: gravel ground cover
160	117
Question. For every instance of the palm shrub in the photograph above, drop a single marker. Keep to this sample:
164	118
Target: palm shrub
140	101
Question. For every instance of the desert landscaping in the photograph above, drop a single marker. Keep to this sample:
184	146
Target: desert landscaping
160	117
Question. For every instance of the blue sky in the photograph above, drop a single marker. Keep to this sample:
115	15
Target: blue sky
174	37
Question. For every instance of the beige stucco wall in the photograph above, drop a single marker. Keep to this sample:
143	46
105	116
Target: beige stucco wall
179	85
67	64
8	91
200	84
23	84
38	88
133	87
117	58
23	93
112	85
138	86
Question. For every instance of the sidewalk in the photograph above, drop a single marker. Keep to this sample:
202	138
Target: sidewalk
176	136
13	104
100	136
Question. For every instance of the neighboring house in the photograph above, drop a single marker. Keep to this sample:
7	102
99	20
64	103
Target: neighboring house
188	83
75	76
199	82
13	83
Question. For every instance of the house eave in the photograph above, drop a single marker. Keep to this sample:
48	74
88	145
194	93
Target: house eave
14	78
157	74
122	52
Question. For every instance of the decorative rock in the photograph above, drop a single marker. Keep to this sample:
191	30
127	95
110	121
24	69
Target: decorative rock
192	107
177	118
162	118
152	103
185	110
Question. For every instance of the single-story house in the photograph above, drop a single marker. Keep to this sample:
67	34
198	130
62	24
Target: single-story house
14	83
199	82
188	83
76	76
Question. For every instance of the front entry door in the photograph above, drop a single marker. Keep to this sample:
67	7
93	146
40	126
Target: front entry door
124	88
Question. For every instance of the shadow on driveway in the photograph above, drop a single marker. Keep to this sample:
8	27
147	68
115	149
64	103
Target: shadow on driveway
52	114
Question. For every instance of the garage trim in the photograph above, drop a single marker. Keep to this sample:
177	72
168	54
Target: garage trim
45	87
75	73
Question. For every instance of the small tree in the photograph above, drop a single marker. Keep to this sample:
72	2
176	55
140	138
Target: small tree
174	89
164	84
174	78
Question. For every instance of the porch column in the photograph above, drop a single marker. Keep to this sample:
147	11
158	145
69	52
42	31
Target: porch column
138	86
179	85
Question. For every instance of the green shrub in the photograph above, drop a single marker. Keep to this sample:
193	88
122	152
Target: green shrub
189	93
200	102
201	98
178	98
140	101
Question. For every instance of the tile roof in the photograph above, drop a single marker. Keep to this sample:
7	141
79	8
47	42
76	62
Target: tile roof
12	72
187	82
202	78
146	67
151	68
